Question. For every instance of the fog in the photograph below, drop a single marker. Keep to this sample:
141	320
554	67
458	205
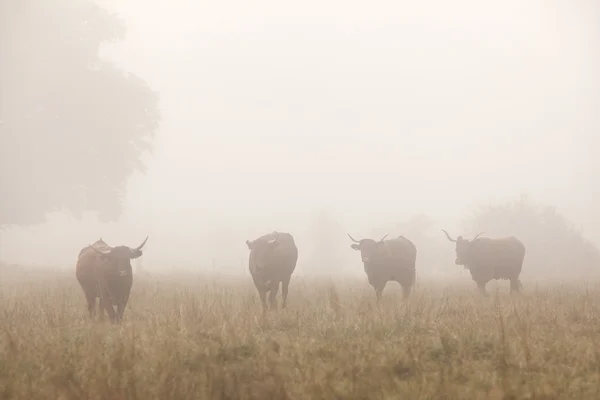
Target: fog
275	114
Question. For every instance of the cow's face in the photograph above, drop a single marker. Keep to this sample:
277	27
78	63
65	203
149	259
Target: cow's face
259	250
462	251
367	248
118	260
462	248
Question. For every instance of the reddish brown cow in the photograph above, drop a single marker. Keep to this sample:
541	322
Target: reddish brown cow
105	272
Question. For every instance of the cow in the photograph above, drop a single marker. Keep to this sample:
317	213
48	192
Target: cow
388	260
105	272
272	260
487	259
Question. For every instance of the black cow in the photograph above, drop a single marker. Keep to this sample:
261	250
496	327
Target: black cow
388	260
272	261
487	259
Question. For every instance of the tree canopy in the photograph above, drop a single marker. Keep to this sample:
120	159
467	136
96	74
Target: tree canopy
73	127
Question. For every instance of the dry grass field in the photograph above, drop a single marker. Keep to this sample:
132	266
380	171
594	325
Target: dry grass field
195	337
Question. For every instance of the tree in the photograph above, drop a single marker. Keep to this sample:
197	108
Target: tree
73	127
555	248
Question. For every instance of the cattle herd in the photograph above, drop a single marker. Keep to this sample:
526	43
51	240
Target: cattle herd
104	272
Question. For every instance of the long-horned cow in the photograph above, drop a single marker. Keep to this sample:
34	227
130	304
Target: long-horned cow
487	259
105	272
388	260
272	261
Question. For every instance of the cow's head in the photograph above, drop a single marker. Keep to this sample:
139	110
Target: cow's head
367	247
260	248
462	248
118	258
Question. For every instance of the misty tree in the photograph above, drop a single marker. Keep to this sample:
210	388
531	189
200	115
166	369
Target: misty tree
73	127
555	247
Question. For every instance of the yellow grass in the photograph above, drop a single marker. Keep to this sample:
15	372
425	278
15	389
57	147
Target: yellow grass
199	338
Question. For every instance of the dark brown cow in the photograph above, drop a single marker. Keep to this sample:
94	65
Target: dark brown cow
105	272
488	259
388	260
272	261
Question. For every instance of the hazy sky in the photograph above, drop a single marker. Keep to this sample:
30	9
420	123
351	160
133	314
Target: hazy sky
375	111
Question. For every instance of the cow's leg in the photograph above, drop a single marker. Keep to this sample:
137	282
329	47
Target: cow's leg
273	289
482	276
88	288
120	309
110	310
263	298
90	297
379	290
124	304
112	314
101	308
407	282
515	285
107	300
262	291
481	287
406	289
284	290
121	303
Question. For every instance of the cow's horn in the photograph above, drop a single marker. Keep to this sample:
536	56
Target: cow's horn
448	236
275	238
141	245
105	252
478	235
354	240
383	237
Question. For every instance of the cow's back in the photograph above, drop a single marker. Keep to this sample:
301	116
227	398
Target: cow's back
398	251
395	260
506	252
88	261
283	258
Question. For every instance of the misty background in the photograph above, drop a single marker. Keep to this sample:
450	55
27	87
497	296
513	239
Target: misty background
203	124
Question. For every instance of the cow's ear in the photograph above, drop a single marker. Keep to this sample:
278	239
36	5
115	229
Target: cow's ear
249	244
136	254
355	246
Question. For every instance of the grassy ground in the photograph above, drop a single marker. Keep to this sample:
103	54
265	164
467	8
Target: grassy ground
198	338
